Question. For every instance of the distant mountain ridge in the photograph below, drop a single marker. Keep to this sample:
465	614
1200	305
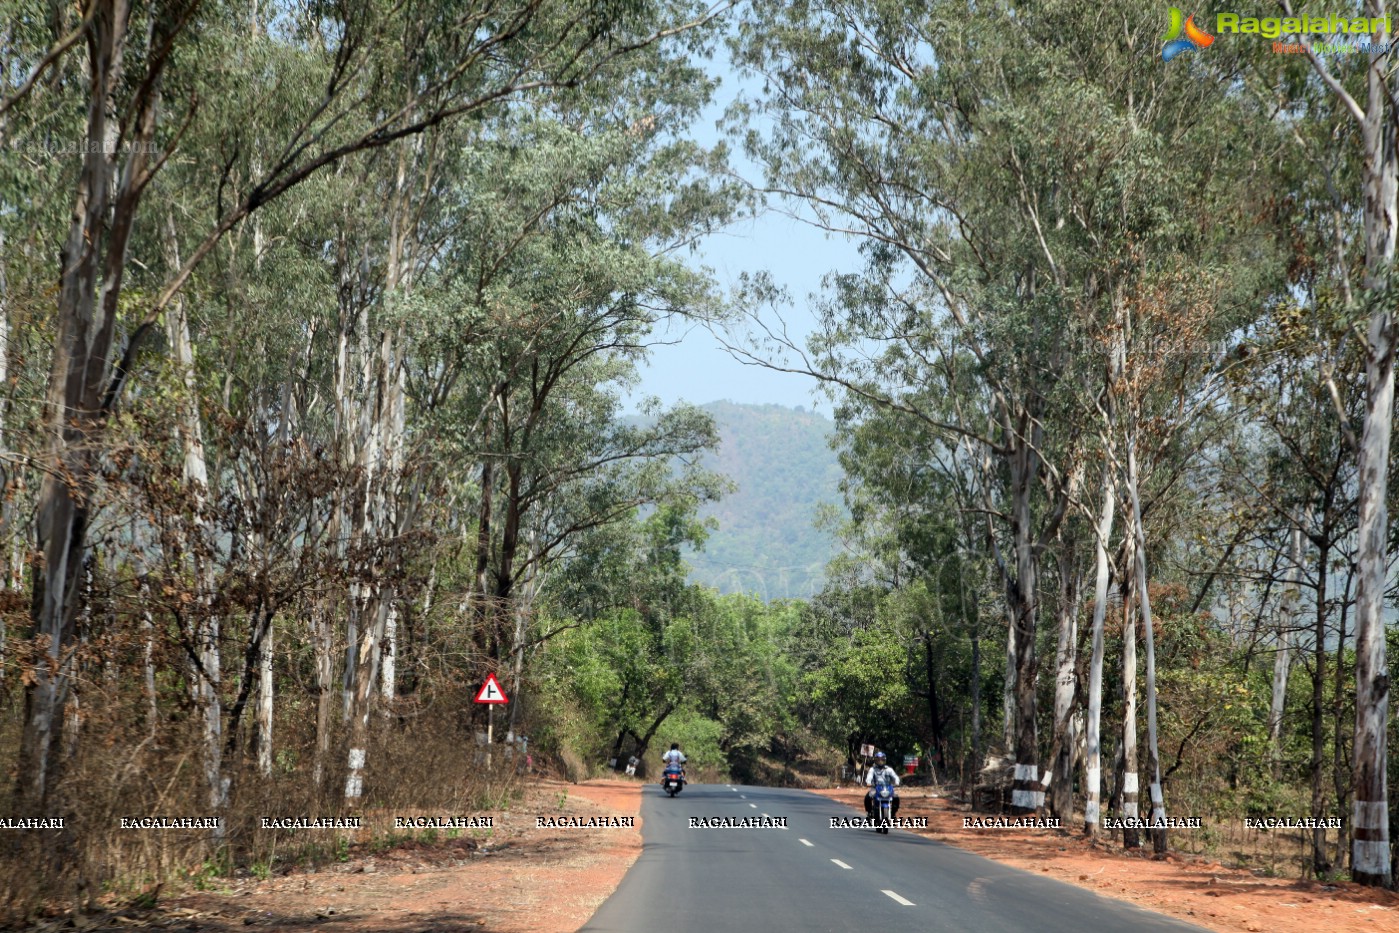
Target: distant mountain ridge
766	542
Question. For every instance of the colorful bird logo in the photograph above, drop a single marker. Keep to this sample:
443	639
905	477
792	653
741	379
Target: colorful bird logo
1195	37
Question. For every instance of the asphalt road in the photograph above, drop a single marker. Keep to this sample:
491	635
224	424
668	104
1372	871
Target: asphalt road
812	877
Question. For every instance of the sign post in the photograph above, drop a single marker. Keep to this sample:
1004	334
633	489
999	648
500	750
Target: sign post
491	694
866	753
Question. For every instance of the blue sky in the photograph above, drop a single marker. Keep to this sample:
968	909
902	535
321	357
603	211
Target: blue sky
696	367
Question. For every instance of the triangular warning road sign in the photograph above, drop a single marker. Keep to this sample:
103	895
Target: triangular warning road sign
491	692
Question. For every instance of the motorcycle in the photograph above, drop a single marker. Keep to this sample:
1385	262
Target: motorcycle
673	781
884	807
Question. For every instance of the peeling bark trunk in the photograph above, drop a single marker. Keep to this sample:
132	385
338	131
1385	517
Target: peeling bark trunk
382	429
93	263
1094	751
1159	837
1022	593
524	608
1370	851
264	701
388	678
1130	788
361	706
322	639
1065	684
1008	695
196	477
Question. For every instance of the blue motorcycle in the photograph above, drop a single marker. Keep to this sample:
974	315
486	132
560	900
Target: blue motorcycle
884	807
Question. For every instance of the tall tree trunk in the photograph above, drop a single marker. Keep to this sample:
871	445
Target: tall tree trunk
1153	760
388	678
7	529
93	262
977	759
1008	696
1131	837
1065	683
1022	590
196	477
265	700
1340	773
1282	661
1370	854
380	430
934	713
362	701
1321	863
482	608
523	610
1092	816
322	639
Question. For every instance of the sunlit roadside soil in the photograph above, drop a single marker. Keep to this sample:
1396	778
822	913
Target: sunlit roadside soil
519	878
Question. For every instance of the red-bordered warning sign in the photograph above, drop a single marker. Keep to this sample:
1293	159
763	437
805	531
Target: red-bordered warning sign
491	692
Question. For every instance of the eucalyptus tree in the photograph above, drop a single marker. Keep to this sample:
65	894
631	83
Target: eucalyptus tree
1018	183
1304	394
1340	114
567	247
1365	92
146	69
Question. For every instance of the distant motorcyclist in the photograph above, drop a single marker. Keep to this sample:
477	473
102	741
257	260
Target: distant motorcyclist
674	758
880	773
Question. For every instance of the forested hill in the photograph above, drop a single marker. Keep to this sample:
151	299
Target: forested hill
766	542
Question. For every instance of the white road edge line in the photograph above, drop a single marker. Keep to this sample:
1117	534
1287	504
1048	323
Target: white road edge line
903	901
842	864
805	843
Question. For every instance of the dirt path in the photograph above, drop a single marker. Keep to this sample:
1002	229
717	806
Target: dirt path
520	878
1201	892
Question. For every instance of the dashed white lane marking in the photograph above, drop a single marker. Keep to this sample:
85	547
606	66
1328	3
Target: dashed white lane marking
742	796
753	805
767	816
903	901
805	843
842	864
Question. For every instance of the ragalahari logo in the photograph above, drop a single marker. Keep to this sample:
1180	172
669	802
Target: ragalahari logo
1195	37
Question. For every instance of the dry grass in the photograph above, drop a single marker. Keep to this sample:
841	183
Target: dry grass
424	764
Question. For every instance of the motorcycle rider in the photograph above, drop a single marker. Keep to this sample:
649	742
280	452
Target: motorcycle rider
880	773
674	757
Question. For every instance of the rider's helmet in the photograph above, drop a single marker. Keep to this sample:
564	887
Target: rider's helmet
879	756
